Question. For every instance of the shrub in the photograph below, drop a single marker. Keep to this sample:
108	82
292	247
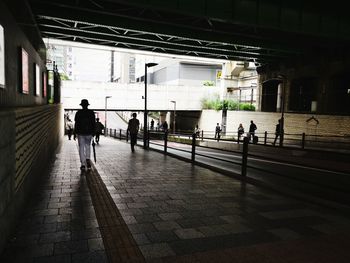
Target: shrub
217	104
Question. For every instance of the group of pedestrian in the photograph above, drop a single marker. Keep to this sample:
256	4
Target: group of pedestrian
279	132
240	131
86	127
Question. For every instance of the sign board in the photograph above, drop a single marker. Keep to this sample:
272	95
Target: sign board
25	72
37	80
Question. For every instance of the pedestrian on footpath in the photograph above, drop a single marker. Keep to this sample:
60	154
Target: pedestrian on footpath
197	131
133	129
84	129
278	132
217	131
252	129
240	131
99	128
152	124
165	126
69	127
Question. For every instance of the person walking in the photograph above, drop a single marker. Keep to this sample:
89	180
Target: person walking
197	131
240	131
252	129
84	129
69	128
278	132
165	126
217	131
152	124
133	129
99	128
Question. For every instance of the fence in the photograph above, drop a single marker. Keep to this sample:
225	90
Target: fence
300	175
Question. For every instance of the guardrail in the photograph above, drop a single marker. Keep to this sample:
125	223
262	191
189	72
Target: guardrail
160	141
331	185
301	141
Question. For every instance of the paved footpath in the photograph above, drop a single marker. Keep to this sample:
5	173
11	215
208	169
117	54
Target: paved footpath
147	207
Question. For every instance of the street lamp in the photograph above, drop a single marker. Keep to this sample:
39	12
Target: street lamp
173	101
283	98
147	65
107	97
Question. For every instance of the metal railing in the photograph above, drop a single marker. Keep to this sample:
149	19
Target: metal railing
188	147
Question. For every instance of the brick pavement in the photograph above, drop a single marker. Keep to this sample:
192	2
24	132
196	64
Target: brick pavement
171	211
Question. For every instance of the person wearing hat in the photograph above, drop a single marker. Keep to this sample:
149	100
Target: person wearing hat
85	127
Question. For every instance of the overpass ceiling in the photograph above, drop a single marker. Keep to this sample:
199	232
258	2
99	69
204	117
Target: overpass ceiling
249	30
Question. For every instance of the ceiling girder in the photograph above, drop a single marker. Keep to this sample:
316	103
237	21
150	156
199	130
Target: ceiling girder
142	26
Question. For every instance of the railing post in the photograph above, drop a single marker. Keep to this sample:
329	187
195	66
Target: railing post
202	135
120	134
193	155
265	138
245	156
303	141
165	141
238	137
115	133
148	136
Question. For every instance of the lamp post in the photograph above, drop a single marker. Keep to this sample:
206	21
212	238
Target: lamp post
107	97
147	65
173	101
282	78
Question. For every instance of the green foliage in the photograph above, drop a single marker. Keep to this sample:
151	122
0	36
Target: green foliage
246	107
64	77
229	104
208	83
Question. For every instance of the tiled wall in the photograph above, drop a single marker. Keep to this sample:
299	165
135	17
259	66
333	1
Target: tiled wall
30	137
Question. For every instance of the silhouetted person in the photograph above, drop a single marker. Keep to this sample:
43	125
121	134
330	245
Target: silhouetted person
152	124
217	131
158	125
278	132
252	129
240	131
69	127
99	128
197	131
85	127
165	126
133	129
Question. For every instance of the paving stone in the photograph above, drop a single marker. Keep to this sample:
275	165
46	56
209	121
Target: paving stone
284	233
54	259
172	209
55	237
91	257
71	247
95	244
188	233
161	236
156	250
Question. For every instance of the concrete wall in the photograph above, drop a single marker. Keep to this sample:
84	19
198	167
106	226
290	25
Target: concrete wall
328	125
129	96
30	129
29	140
